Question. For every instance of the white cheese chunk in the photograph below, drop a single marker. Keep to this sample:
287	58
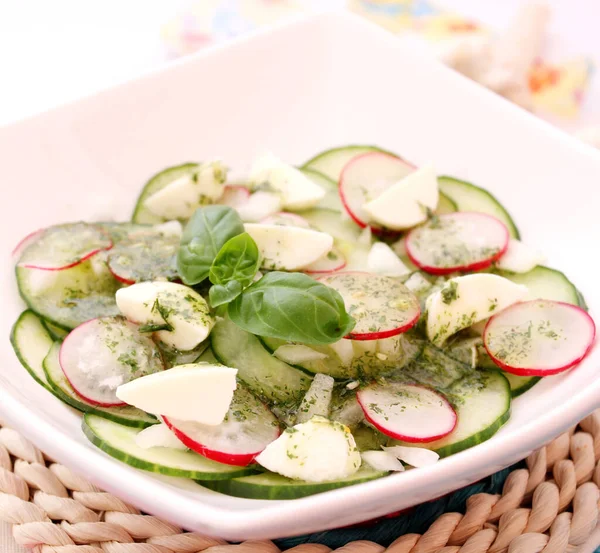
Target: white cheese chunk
181	197
297	191
259	206
405	204
382	460
417	283
289	248
519	257
170	228
466	300
168	303
158	435
198	392
316	451
383	261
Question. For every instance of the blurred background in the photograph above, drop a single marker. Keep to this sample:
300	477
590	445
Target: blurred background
540	54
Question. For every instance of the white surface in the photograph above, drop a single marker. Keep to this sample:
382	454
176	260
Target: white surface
113	141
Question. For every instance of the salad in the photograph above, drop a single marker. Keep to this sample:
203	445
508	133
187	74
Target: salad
307	329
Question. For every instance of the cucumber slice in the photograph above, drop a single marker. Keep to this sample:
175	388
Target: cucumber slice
60	387
31	341
156	183
482	402
469	197
332	196
363	359
148	256
436	369
331	162
264	374
56	332
331	222
64	246
207	356
445	205
274	486
548	284
174	358
520	384
122	231
72	296
119	442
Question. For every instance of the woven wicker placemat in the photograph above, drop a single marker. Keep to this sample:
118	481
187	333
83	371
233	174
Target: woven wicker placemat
551	506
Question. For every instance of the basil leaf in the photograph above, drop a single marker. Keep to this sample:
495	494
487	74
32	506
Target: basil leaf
238	259
294	307
204	235
220	294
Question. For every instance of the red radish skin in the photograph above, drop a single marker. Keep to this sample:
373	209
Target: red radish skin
476	266
83	258
120	278
234	195
345	201
239	438
29	239
335	269
85	397
239	460
380	334
406	437
530	371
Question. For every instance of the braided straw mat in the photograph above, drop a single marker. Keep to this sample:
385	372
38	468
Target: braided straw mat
549	507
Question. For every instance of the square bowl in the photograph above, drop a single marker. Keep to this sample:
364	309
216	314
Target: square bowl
297	89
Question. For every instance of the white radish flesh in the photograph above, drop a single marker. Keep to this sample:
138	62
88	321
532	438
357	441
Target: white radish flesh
330	263
462	241
62	246
365	177
158	435
248	428
382	306
539	337
407	412
102	354
234	195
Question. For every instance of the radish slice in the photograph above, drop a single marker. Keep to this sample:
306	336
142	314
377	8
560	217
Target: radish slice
248	428
462	241
365	177
144	257
101	354
286	219
63	246
234	195
25	242
330	263
539	337
382	306
407	412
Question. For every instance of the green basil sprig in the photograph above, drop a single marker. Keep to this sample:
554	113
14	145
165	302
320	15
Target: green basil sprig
293	307
205	234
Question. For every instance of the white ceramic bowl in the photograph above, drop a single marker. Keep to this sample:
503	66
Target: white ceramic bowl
298	89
